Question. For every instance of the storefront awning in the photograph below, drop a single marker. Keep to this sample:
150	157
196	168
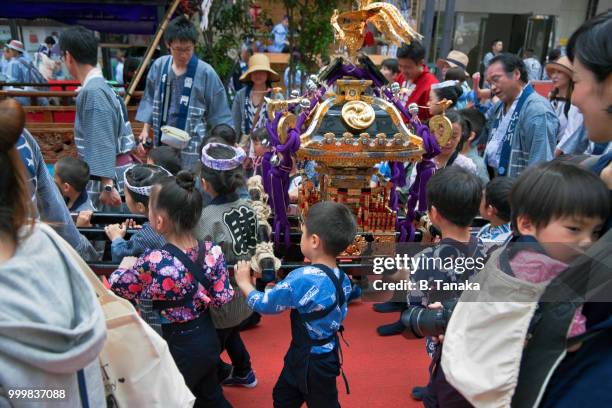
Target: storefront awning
122	17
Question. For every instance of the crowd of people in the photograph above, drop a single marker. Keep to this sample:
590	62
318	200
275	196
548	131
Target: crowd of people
499	163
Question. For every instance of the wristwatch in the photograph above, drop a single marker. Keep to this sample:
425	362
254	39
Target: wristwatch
108	188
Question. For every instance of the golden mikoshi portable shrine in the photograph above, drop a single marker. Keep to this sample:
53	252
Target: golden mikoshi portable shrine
348	120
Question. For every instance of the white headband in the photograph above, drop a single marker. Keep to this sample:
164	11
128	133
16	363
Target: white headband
144	190
444	84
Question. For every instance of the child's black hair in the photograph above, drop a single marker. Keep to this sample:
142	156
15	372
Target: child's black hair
181	29
143	175
180	199
475	119
225	132
261	135
455	74
223	181
73	171
335	225
456	193
497	195
452	93
391	64
166	157
558	189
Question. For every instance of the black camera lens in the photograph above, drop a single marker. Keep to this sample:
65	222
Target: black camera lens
421	321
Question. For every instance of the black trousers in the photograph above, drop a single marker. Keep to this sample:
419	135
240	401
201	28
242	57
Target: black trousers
230	340
195	349
321	379
439	392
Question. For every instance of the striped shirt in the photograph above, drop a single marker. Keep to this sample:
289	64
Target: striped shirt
101	131
146	238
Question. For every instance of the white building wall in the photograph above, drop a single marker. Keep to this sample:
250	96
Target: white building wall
570	13
604	5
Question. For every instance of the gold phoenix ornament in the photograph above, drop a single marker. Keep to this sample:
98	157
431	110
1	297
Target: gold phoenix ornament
350	26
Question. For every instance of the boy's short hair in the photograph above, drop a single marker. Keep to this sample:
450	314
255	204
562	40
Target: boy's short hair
181	29
335	225
456	193
475	118
497	195
81	43
558	189
73	171
261	135
225	132
455	74
166	157
391	64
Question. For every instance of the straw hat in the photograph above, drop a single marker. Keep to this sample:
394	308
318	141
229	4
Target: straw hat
259	62
455	59
563	64
16	45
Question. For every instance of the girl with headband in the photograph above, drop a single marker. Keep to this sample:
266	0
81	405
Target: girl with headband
449	90
139	181
177	285
229	221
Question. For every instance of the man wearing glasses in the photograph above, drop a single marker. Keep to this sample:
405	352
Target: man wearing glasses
521	128
183	92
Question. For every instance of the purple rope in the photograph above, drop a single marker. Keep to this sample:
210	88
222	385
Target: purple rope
417	193
276	178
398	178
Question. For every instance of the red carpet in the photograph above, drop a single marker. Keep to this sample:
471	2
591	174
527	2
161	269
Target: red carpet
381	370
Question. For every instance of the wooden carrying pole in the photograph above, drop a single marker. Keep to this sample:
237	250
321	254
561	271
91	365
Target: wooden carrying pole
149	54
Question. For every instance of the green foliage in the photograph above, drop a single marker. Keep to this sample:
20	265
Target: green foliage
310	19
228	26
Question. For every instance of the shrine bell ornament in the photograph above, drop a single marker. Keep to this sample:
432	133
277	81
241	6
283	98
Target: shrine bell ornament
440	126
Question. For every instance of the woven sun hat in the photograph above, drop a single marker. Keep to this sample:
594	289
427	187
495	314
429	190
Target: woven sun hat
455	59
260	62
16	45
562	64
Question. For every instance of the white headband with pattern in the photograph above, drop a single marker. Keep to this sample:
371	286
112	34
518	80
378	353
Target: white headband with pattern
143	190
444	84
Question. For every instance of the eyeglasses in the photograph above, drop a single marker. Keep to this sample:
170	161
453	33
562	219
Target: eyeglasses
180	50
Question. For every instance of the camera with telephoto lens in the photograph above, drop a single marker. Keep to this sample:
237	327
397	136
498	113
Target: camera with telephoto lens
421	321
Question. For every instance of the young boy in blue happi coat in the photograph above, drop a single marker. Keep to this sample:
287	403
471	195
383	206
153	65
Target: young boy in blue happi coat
317	296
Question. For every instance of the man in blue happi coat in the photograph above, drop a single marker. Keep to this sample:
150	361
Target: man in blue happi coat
521	128
183	92
20	69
